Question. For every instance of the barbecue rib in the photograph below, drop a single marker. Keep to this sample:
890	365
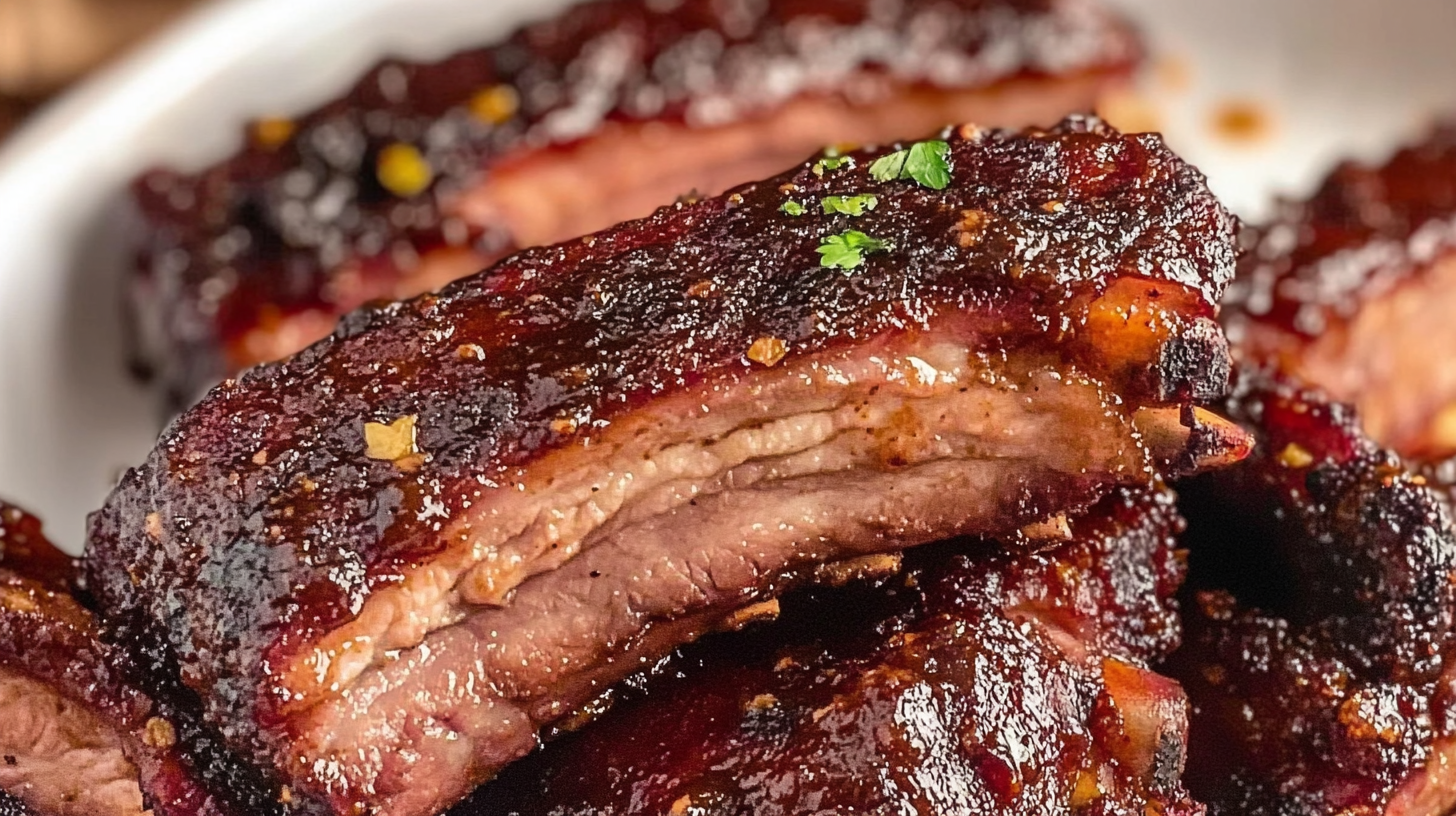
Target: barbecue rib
1352	289
389	560
599	116
76	737
979	681
64	715
1318	656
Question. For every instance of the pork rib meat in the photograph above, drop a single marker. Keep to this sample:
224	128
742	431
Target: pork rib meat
980	680
1350	290
387	562
426	173
1319	654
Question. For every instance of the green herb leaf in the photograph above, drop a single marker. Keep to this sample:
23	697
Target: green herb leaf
890	167
849	205
926	163
847	249
829	163
793	208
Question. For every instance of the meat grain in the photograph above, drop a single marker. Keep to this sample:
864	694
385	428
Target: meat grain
981	679
385	564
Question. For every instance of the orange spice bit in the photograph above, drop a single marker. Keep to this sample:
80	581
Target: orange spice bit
394	442
680	807
972	228
261	457
971	132
154	526
1054	207
1056	528
762	702
1295	456
703	288
285	796
272	133
17	600
159	733
1088	789
470	351
563	426
767	351
495	105
404	171
1242	121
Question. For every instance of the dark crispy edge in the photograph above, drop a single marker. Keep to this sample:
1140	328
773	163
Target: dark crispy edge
182	267
279	456
1367	230
1322	555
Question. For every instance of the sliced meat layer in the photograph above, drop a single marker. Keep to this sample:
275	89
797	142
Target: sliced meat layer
980	680
1319	654
425	173
63	713
388	562
1353	290
76	737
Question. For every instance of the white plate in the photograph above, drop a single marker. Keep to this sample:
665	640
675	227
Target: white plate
1338	77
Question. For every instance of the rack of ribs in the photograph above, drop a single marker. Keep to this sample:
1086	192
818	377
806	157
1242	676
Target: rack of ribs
982	679
425	173
1319	649
1351	290
386	563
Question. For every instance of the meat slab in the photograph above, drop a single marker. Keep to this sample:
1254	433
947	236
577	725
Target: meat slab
425	173
981	680
77	737
388	562
1353	289
1319	653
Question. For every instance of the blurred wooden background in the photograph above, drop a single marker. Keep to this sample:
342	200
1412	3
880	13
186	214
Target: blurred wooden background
45	45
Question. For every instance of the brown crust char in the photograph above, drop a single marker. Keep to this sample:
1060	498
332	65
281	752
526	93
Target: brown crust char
950	689
1366	230
299	222
259	522
1349	290
1317	649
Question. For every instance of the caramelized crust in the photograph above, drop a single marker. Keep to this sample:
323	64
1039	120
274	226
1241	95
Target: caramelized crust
425	173
1352	289
976	681
567	465
1319	650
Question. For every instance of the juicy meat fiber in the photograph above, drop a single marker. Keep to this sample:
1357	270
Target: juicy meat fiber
978	681
1353	290
63	711
387	562
1319	652
426	173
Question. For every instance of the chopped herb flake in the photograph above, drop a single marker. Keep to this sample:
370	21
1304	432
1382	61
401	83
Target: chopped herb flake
829	163
792	208
926	163
850	205
847	249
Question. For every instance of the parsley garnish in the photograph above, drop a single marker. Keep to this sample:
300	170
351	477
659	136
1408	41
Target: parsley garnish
792	208
832	161
847	249
927	163
849	205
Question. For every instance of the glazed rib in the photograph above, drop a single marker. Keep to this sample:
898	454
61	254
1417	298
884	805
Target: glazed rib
1352	289
979	680
475	511
1319	651
426	173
